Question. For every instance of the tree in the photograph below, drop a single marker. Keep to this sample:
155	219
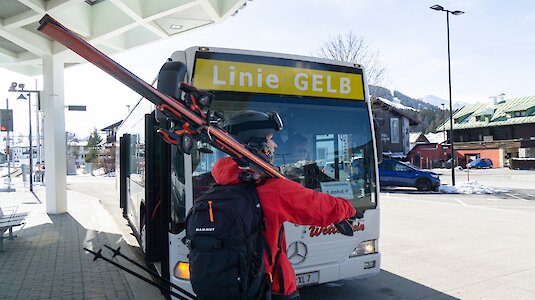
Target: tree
92	144
354	49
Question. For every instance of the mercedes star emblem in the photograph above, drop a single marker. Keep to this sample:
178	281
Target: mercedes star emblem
297	253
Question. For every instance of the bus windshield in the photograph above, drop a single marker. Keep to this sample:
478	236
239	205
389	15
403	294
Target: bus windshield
326	144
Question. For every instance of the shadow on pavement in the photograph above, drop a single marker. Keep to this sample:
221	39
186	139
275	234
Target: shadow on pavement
384	285
37	198
47	261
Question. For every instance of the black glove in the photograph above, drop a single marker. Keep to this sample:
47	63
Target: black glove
344	228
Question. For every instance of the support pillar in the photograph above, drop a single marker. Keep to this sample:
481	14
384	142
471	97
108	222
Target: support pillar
53	104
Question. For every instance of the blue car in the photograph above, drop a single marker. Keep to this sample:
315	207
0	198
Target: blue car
399	174
480	163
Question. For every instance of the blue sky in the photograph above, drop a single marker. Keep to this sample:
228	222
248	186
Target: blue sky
492	50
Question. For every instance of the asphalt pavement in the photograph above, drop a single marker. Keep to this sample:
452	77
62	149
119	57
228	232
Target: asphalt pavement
434	246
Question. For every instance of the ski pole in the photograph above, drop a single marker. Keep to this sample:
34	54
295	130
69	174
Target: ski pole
117	252
161	287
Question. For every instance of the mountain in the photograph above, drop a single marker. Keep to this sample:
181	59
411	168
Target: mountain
458	105
430	115
436	101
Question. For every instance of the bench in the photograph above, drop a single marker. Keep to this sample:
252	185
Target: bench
9	218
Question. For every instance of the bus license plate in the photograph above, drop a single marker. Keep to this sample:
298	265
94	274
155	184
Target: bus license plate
308	278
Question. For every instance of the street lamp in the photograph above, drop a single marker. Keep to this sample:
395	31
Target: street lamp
456	13
13	89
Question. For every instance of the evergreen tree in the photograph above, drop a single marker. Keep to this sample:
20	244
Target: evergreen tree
92	145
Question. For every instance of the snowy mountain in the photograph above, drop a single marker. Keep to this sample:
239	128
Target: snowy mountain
459	105
436	101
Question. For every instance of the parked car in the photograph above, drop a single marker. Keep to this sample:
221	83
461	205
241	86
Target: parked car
400	174
480	163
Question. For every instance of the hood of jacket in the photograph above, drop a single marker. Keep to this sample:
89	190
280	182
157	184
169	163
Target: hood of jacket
225	171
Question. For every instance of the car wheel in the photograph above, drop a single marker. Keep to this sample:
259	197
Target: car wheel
423	185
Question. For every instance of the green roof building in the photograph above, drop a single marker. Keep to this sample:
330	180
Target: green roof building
502	129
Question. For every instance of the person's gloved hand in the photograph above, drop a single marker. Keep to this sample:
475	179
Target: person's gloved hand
344	228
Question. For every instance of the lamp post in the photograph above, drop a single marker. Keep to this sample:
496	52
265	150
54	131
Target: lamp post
456	13
8	152
13	89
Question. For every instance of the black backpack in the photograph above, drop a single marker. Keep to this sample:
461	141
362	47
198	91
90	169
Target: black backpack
224	235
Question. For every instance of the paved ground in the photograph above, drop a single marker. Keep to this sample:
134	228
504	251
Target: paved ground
434	246
437	246
46	259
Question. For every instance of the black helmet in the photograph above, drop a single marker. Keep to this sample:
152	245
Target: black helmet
251	128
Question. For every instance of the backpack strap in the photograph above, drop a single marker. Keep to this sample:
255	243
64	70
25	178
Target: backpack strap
276	262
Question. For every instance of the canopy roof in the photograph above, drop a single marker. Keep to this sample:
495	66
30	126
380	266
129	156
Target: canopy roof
109	25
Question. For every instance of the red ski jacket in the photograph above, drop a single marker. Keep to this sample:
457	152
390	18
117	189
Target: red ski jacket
284	200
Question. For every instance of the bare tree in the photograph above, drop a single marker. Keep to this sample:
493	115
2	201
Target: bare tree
354	49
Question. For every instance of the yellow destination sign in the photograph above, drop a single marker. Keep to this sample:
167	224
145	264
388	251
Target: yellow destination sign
269	79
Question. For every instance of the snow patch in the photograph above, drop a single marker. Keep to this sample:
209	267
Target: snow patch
470	187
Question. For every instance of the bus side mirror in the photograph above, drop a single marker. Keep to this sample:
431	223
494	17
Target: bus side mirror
170	75
378	141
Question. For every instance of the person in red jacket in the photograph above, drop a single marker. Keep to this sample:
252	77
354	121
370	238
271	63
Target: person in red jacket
281	199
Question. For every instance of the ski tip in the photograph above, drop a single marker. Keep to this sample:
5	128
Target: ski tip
47	19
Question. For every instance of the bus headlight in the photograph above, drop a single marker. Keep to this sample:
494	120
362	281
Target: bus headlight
365	248
182	270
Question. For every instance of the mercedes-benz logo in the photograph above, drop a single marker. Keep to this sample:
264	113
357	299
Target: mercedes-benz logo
297	253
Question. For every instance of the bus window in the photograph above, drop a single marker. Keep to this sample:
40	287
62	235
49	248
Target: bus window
178	191
335	150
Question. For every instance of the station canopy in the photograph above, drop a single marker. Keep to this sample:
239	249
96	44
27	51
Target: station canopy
110	25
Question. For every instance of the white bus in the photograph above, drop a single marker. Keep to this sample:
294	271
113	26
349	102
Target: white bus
327	144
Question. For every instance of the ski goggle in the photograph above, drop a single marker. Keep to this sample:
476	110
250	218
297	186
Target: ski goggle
273	122
276	119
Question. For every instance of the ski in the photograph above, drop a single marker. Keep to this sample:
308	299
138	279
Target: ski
189	113
195	121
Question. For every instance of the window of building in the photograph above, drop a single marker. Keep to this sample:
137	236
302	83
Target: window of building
394	130
516	114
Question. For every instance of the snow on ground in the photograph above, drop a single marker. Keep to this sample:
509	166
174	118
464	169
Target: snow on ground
96	172
470	187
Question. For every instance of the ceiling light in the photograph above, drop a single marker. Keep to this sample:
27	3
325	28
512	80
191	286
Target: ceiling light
93	2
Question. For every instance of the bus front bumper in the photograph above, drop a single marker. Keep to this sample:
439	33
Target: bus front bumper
354	267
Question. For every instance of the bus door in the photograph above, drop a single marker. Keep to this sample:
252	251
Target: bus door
156	208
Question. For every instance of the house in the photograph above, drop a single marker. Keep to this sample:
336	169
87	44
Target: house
108	153
394	125
111	132
20	153
499	130
428	150
417	138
